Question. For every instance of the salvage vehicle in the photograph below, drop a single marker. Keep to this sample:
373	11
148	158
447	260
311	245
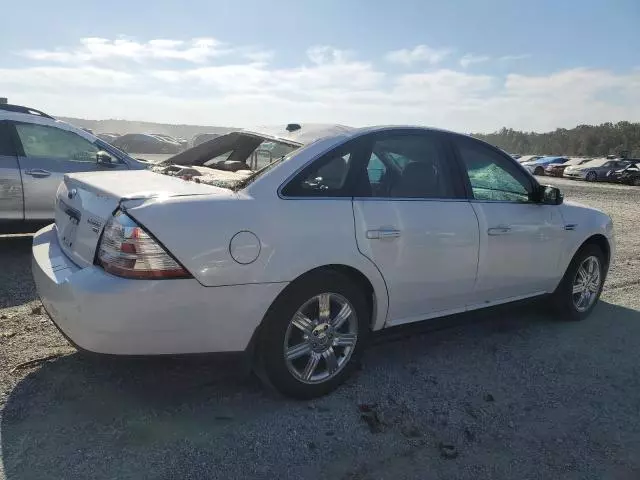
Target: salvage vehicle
36	150
629	174
181	142
537	167
557	169
594	170
296	264
145	143
203	137
107	137
529	158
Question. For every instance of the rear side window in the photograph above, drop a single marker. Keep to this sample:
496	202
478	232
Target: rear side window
492	176
54	143
6	145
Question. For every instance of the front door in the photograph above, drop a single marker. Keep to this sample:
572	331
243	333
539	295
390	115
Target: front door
416	226
520	241
47	154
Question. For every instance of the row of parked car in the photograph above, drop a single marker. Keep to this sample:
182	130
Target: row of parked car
609	169
153	143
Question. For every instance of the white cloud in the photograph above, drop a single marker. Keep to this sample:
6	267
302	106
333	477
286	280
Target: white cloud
418	54
470	58
66	79
508	58
244	88
323	54
92	49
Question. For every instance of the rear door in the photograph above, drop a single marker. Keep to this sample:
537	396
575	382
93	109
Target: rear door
45	154
11	201
520	240
413	222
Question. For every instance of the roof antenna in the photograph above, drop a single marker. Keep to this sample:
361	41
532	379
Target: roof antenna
292	127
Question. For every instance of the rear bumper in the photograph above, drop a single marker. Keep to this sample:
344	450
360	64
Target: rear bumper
103	313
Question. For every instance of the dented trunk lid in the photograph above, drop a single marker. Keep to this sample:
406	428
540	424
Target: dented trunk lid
85	201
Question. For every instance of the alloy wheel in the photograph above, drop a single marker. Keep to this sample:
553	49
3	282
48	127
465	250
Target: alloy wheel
320	338
591	177
586	284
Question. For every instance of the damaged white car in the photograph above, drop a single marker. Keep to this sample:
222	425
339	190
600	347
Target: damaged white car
292	246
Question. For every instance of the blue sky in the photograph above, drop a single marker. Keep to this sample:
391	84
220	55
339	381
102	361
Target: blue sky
464	64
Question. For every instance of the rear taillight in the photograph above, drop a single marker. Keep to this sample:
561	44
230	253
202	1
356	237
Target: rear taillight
126	250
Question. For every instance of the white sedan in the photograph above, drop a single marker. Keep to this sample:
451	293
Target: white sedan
295	260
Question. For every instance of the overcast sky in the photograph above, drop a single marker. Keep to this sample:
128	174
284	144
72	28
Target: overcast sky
467	65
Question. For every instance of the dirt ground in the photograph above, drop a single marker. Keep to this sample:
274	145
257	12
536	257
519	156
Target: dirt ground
512	393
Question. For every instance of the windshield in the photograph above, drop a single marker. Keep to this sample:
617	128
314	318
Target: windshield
107	147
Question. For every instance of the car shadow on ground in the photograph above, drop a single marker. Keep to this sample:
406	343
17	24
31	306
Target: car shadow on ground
103	417
16	283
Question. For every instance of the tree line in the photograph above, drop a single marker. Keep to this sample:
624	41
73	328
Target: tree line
622	138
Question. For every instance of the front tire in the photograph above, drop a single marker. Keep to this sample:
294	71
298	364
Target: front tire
538	171
581	286
591	177
314	335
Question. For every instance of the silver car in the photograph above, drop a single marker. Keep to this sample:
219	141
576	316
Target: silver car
595	170
36	150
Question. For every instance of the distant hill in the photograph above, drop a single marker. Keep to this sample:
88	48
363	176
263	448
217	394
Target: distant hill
125	126
584	140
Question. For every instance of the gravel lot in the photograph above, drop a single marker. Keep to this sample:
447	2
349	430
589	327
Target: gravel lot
512	393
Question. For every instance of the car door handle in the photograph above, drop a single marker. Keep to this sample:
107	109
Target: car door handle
38	173
499	230
383	233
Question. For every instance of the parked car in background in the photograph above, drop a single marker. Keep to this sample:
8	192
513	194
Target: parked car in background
529	158
630	174
36	151
296	263
537	166
557	169
145	143
594	170
108	137
516	156
203	137
168	138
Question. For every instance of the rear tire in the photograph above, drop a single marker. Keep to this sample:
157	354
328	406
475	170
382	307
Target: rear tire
580	288
314	335
636	182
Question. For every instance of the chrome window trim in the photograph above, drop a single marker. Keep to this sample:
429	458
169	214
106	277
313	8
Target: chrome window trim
338	145
409	199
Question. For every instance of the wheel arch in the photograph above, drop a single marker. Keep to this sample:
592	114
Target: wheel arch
596	239
601	242
377	300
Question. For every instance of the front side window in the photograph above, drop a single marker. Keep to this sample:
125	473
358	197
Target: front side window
409	166
55	143
492	176
327	177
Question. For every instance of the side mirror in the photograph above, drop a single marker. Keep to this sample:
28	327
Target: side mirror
104	159
548	195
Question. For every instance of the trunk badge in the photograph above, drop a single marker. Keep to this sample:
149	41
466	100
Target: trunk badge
95	223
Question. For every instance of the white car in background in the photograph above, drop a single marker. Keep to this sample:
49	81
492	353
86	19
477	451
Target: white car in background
295	264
